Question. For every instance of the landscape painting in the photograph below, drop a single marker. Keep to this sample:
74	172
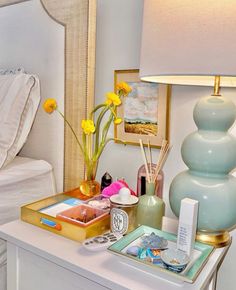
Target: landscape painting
145	111
141	109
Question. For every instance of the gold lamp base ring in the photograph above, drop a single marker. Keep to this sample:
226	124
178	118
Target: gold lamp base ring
218	239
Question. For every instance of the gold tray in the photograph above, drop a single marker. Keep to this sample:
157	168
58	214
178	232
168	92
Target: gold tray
30	213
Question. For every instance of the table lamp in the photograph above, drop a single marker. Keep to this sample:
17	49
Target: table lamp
194	43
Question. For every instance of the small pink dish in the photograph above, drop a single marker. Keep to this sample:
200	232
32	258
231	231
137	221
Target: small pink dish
82	215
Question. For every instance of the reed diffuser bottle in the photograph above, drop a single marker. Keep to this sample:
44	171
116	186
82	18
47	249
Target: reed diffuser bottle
151	208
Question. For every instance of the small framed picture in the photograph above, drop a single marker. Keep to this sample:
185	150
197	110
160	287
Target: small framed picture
145	111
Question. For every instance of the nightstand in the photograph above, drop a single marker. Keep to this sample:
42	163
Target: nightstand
38	259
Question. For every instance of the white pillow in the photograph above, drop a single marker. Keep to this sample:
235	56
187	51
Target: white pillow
19	100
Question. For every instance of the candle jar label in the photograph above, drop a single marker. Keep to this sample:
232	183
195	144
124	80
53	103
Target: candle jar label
119	221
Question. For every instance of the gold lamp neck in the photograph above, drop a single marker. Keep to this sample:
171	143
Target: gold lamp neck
217	86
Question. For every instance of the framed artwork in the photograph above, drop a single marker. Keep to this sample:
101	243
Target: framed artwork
145	111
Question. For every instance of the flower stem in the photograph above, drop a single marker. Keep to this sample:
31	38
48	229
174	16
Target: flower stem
84	138
91	169
106	128
90	146
97	131
95	109
72	130
113	112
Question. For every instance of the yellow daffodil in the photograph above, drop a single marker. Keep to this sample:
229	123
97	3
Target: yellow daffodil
123	88
88	126
95	130
117	121
50	105
112	98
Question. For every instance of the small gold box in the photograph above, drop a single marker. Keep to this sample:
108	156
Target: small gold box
30	213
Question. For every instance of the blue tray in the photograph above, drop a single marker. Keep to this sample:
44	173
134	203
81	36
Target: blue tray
200	255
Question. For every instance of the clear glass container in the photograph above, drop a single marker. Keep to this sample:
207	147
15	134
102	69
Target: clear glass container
141	181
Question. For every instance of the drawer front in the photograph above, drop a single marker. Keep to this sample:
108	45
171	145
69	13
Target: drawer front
34	272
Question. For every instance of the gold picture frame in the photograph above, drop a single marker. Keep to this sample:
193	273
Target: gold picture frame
144	116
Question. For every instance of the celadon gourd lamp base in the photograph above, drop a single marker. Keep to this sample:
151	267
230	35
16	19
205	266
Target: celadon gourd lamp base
210	154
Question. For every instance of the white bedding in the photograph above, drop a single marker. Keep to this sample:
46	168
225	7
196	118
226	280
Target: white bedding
22	181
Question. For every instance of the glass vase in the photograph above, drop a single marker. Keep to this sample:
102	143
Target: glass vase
141	180
88	187
151	208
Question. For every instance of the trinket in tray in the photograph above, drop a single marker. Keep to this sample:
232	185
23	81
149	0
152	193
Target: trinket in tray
68	216
143	247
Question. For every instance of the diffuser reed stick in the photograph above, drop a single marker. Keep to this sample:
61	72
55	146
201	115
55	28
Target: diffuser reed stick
162	158
144	160
151	173
150	160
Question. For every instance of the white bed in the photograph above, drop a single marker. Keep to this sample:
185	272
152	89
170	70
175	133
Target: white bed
22	181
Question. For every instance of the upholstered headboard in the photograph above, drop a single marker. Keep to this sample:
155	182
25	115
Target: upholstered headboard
55	40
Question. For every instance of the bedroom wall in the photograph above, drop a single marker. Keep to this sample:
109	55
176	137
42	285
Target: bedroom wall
118	47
